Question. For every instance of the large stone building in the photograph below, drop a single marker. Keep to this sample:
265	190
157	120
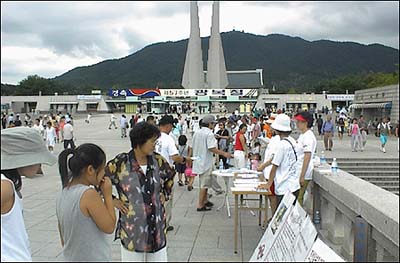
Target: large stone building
377	103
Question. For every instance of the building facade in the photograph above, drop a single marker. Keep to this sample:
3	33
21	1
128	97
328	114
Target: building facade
377	103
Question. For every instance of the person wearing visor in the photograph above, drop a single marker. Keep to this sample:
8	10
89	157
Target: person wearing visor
307	146
22	153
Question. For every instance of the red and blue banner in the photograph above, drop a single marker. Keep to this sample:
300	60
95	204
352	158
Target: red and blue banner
143	93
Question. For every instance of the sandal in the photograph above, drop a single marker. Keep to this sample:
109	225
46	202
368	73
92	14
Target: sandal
204	208
180	183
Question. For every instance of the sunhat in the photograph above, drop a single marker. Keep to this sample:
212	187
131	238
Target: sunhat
209	119
23	146
282	123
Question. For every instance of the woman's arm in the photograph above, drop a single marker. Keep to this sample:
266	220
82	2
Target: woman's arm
243	142
61	237
102	213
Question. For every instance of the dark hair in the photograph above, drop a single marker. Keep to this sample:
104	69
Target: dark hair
123	115
182	140
14	176
242	126
150	118
49	123
257	143
83	156
258	156
143	132
201	124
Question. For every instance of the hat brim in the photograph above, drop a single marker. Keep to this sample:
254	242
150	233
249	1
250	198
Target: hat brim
300	118
280	128
18	161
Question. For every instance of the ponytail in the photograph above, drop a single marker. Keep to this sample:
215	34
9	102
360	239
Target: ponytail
63	166
83	156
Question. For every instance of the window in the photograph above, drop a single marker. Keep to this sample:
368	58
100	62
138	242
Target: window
383	94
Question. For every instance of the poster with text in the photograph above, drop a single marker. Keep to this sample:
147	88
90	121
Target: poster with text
273	229
320	252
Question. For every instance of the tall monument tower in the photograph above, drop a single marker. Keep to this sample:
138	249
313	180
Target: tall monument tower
193	75
216	69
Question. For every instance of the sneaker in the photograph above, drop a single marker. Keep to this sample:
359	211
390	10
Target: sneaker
180	183
170	228
190	188
209	204
203	209
383	150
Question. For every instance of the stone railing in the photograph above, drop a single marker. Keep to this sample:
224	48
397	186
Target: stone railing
345	203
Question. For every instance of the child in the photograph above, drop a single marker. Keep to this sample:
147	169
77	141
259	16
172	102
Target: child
22	152
189	175
84	219
183	150
255	161
50	135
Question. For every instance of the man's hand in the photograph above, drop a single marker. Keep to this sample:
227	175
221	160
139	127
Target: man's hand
228	155
302	181
261	167
266	186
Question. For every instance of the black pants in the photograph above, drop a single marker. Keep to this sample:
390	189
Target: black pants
280	197
69	142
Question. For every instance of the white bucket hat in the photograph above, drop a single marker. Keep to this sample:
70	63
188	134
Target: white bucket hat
23	146
282	123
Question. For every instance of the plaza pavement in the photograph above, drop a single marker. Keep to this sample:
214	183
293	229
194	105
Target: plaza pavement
198	236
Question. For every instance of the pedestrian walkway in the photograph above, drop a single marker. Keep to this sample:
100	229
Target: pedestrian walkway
198	236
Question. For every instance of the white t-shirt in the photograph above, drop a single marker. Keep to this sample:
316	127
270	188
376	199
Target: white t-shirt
307	143
14	238
166	147
286	177
270	152
67	131
38	128
203	140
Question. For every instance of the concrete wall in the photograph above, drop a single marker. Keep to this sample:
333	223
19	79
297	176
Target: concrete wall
43	103
344	198
282	99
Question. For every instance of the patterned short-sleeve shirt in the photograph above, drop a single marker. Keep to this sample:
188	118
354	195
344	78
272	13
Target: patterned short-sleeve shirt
143	228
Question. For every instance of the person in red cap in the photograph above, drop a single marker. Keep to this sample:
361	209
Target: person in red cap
308	143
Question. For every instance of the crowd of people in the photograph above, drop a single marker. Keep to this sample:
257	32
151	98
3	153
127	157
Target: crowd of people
161	147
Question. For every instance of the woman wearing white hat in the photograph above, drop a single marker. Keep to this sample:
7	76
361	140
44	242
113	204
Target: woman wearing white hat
22	153
284	162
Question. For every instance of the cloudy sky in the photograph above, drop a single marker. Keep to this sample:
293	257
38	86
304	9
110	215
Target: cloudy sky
50	38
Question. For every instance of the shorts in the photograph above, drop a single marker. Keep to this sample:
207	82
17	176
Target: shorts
180	167
341	129
273	189
206	178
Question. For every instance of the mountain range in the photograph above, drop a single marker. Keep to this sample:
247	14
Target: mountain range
286	61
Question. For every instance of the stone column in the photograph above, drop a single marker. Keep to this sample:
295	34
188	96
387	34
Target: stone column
347	249
335	228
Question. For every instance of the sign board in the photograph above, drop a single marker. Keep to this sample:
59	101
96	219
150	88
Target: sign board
88	97
340	97
208	92
143	93
96	92
290	236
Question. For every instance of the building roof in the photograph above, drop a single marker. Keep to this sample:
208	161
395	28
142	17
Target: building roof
243	79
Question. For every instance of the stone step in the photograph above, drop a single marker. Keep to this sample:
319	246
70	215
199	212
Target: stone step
391	188
385	183
371	172
368	167
364	159
379	178
371	163
395	192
